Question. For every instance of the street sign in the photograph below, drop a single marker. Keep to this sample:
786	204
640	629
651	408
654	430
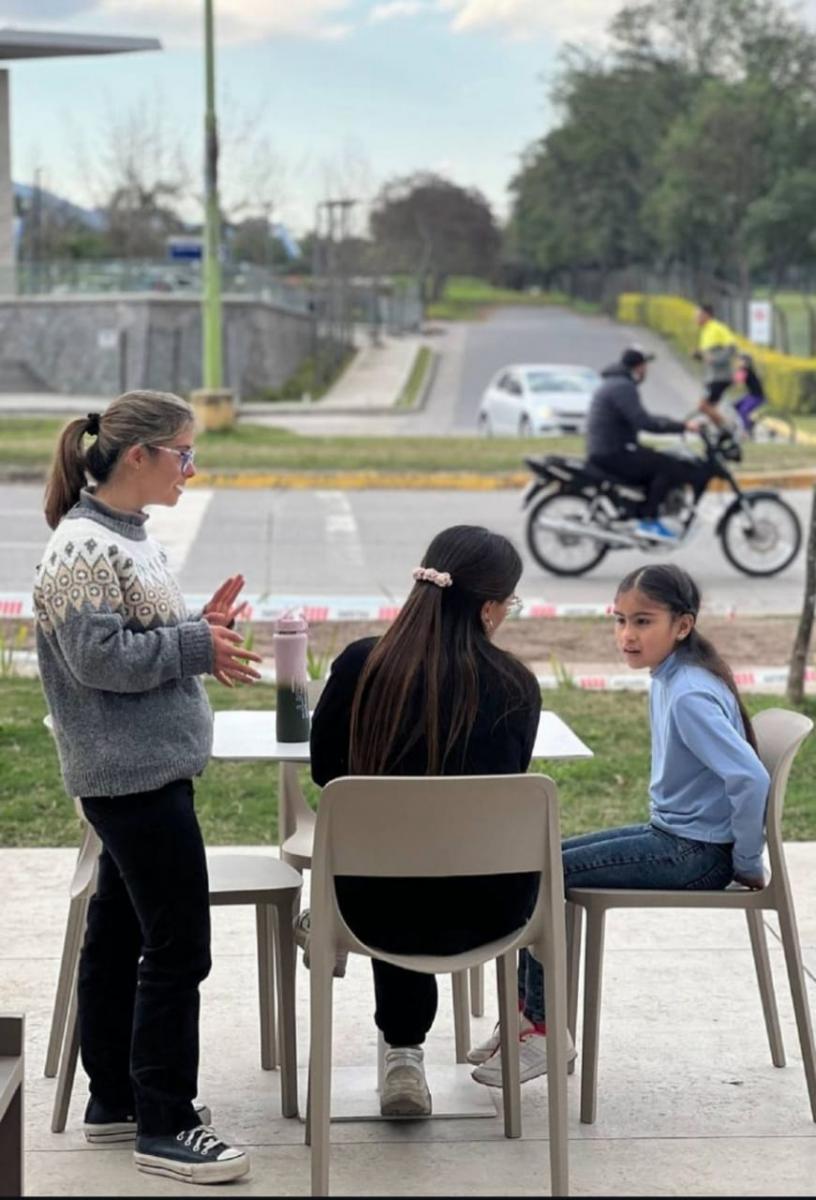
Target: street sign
760	322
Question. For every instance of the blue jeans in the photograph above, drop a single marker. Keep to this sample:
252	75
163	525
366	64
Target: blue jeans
634	856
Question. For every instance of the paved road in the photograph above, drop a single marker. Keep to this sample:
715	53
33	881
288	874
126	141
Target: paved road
558	335
335	544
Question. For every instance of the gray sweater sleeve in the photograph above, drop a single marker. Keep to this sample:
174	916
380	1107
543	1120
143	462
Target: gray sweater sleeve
101	653
627	401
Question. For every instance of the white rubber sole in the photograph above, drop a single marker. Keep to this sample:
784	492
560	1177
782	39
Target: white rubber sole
407	1102
217	1172
125	1131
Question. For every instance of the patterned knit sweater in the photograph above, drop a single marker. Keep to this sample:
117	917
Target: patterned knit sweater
119	656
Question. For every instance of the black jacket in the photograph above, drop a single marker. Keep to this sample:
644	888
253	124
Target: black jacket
616	415
501	741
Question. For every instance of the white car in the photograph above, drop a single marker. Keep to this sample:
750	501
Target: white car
537	399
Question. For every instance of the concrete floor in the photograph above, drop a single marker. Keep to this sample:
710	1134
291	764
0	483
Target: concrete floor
689	1102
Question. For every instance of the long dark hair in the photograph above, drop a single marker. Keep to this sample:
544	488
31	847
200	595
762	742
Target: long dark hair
435	650
139	417
673	588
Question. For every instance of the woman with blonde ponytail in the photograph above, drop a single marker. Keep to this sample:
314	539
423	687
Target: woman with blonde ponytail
121	662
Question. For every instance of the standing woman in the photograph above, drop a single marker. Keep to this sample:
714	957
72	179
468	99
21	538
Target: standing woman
120	662
433	696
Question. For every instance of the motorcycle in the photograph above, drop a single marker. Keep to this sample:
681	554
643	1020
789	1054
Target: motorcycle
584	513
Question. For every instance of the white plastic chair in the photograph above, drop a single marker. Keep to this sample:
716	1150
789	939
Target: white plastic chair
435	827
296	832
779	732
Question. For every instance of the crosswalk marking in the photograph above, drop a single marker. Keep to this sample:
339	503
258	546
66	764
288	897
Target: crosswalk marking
177	528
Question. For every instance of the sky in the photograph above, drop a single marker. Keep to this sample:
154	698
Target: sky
316	98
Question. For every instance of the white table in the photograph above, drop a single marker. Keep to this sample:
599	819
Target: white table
245	736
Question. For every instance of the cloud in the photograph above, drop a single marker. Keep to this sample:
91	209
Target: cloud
400	8
525	19
180	22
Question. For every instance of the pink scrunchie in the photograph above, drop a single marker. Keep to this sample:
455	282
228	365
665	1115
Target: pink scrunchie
428	575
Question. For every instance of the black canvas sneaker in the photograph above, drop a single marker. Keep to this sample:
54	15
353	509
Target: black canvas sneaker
194	1156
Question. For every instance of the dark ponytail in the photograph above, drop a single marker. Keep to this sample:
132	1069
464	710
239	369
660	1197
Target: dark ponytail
673	588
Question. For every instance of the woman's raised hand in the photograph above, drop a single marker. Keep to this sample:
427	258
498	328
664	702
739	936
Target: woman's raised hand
221	609
231	661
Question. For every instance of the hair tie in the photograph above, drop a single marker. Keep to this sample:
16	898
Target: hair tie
440	579
92	427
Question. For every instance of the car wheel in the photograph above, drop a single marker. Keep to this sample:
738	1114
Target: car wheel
525	428
485	428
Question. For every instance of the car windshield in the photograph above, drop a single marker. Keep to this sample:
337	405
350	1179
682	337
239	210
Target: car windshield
562	381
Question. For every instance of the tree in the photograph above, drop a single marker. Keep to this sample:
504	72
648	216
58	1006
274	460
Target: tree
433	228
780	227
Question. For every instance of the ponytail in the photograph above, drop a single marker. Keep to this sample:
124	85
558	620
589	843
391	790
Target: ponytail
674	589
67	476
699	650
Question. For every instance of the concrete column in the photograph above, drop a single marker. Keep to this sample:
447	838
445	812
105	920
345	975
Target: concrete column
7	271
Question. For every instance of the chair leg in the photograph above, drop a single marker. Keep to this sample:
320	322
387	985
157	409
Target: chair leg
593	975
507	982
477	991
287	1025
380	1061
265	936
461	1018
759	946
552	954
67	1067
72	943
320	1072
796	979
575	923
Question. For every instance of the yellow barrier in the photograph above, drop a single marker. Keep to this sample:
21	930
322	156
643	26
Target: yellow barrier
790	381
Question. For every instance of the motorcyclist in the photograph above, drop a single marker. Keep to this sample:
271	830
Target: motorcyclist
616	417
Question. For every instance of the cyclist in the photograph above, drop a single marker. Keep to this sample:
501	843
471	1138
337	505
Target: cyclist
745	376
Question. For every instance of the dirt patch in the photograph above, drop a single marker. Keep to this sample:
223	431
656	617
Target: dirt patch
744	641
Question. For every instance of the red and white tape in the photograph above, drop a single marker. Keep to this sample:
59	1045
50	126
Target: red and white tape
367	608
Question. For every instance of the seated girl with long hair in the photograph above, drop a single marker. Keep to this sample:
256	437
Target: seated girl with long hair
433	696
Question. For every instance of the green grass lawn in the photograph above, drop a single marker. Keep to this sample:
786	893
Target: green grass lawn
237	802
29	443
468	299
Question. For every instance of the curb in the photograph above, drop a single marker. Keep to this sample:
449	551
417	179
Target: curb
376	479
748	679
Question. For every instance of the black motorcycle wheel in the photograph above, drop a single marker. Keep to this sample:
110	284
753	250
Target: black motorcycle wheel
564	553
771	545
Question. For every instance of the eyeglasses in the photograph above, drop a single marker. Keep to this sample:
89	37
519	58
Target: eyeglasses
186	457
514	605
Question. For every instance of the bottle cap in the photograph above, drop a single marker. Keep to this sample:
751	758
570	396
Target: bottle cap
292	621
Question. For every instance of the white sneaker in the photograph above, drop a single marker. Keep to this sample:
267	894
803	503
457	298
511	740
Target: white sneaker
486	1049
405	1089
532	1060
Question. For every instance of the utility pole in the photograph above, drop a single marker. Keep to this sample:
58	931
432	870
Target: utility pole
214	405
212	364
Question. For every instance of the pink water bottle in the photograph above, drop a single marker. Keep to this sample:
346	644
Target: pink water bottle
291	677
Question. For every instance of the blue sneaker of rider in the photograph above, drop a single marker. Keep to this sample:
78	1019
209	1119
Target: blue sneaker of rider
656	529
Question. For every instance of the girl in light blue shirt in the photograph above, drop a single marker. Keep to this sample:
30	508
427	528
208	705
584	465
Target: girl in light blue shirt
708	788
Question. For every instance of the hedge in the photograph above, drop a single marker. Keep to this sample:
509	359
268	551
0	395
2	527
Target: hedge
790	382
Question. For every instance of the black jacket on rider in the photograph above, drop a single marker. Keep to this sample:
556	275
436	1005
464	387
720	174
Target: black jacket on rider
616	415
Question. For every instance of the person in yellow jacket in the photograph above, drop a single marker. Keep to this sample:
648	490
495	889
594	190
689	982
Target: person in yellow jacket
715	349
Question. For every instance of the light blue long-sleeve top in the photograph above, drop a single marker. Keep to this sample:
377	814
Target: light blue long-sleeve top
707	782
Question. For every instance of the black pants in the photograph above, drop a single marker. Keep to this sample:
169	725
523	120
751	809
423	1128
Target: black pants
427	916
146	950
659	473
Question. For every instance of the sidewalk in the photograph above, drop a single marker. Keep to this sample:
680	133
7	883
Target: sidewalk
688	1104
